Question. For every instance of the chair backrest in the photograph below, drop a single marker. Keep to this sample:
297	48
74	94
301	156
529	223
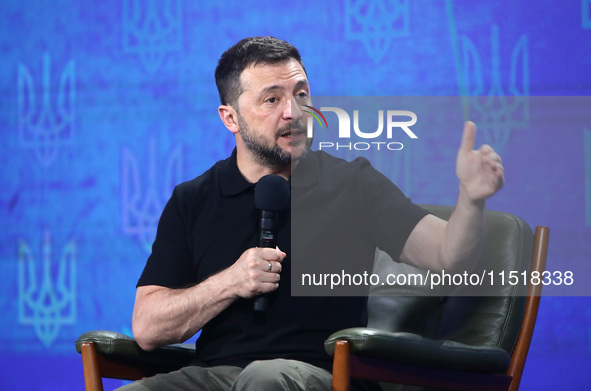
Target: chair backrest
461	315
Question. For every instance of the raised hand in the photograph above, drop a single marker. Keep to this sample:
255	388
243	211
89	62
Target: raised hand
480	172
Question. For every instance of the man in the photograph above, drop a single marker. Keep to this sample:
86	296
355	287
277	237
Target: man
205	268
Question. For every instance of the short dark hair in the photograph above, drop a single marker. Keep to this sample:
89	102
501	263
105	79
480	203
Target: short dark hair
249	51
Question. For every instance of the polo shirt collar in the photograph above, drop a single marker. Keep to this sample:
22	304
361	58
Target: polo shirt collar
231	180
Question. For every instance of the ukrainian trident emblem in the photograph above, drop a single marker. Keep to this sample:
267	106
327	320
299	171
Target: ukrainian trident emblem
498	112
46	289
376	23
151	29
144	194
46	122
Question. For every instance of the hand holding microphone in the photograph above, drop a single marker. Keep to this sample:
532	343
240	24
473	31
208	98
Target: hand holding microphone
251	274
271	196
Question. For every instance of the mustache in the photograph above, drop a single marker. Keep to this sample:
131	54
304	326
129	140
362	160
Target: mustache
291	127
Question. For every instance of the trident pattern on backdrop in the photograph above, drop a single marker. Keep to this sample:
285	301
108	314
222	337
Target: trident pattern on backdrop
46	290
151	29
375	23
499	112
142	201
46	122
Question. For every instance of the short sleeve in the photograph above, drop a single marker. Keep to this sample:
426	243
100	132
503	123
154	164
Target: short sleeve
170	263
391	216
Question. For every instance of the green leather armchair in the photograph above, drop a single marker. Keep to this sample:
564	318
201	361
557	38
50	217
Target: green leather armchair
457	342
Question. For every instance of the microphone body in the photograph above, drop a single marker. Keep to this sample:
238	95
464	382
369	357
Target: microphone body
267	238
268	235
271	195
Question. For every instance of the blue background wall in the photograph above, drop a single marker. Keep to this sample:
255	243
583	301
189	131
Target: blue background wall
106	105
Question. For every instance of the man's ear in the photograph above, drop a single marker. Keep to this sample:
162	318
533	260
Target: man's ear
229	117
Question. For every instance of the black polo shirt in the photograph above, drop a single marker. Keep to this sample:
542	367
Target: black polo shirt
211	220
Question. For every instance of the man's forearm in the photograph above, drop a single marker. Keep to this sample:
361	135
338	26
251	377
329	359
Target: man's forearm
162	315
456	244
462	242
481	174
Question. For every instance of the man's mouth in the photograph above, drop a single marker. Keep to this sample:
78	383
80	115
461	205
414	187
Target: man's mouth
292	133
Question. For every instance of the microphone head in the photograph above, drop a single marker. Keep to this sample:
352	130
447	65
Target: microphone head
272	193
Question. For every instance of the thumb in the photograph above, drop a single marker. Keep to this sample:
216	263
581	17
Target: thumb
468	137
283	254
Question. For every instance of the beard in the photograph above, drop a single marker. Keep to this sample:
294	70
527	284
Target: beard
272	156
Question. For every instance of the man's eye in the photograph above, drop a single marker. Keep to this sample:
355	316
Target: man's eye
271	100
303	95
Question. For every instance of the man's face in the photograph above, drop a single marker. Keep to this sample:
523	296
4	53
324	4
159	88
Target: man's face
269	115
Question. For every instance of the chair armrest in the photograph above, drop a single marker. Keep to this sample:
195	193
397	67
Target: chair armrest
407	348
120	346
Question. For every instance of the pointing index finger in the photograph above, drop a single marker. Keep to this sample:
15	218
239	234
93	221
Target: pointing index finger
468	137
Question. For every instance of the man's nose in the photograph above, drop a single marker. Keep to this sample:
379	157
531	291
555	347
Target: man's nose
292	110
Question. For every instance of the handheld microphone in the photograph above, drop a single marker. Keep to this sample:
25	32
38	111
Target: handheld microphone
271	195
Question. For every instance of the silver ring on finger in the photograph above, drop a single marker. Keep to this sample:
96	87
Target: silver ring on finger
270	267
